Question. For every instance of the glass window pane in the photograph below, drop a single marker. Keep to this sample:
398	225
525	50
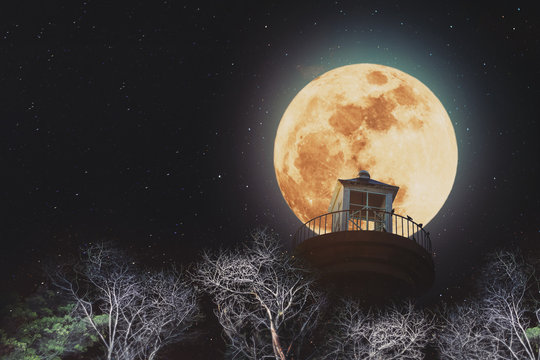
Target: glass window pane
376	200
358	197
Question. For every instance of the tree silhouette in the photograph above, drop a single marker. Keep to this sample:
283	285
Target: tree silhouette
265	300
496	325
143	311
396	332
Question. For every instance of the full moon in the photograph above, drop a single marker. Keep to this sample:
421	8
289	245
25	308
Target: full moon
366	117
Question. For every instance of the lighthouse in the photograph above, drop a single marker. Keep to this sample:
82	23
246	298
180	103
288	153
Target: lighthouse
363	247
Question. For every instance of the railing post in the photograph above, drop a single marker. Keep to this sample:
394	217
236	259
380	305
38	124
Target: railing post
367	219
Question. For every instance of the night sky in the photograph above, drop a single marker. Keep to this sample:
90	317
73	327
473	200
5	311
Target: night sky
153	124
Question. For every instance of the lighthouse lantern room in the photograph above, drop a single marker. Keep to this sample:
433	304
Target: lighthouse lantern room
369	204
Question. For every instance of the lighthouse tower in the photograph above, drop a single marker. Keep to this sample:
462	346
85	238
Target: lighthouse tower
363	247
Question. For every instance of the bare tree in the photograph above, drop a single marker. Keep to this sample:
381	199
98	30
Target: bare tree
134	314
265	300
464	335
397	332
494	326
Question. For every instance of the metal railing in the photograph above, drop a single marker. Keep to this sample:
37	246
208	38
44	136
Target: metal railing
363	220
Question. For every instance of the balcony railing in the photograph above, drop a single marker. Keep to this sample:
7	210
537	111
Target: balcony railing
363	220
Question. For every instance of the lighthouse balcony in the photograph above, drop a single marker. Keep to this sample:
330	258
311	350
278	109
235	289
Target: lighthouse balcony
372	251
364	220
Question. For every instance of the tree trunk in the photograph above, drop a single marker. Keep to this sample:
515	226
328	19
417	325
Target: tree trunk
278	351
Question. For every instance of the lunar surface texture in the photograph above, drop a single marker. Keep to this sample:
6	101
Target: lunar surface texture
366	117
